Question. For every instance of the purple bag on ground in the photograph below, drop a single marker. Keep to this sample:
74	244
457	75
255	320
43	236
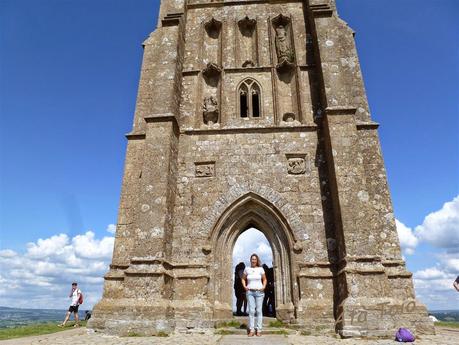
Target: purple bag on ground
404	336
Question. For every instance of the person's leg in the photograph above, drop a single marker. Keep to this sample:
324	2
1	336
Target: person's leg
245	303
265	305
251	302
238	304
259	306
67	316
77	320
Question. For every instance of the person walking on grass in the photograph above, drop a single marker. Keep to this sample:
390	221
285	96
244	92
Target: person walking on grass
254	282
76	296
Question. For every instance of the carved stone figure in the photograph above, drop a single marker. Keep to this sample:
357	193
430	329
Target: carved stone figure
248	63
205	170
284	51
289	117
296	166
210	110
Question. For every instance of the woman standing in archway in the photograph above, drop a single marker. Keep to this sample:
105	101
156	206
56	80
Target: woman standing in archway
254	282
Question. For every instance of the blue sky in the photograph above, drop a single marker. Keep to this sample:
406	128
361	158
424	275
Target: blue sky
68	82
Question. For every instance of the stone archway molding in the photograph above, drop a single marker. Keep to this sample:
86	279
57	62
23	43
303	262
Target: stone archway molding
237	192
253	210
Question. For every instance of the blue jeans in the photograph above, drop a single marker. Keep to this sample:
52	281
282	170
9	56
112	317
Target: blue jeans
255	302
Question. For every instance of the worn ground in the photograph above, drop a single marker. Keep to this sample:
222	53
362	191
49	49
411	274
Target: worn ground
444	336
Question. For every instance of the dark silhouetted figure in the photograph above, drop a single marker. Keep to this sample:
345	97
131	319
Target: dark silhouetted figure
239	291
269	307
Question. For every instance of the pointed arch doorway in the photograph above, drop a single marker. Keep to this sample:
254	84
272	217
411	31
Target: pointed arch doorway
248	211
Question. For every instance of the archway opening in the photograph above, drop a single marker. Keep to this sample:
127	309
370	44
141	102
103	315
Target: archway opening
252	211
252	241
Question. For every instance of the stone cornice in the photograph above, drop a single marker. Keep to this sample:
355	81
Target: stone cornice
321	10
232	130
135	136
160	118
340	110
367	125
191	5
246	69
165	263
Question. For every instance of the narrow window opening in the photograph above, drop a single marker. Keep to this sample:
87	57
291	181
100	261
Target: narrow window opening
243	104
255	104
249	99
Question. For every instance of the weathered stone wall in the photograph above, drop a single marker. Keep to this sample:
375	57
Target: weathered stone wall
238	159
203	165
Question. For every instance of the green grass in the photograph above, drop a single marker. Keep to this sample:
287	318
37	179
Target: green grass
232	323
277	323
135	334
452	324
35	329
279	332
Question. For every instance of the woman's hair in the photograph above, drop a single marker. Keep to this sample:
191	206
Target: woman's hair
258	259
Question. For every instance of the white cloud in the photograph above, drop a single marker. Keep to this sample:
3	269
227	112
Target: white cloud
441	228
408	241
7	253
434	285
264	250
249	242
430	273
41	276
86	246
50	246
111	228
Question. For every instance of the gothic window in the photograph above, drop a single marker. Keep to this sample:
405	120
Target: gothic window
249	96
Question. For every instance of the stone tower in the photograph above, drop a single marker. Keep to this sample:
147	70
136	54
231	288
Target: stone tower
253	113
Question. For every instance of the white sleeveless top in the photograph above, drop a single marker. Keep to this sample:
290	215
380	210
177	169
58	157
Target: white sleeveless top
254	275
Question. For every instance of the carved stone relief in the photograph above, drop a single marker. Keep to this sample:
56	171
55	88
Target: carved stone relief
284	50
297	164
210	110
205	169
290	119
248	63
